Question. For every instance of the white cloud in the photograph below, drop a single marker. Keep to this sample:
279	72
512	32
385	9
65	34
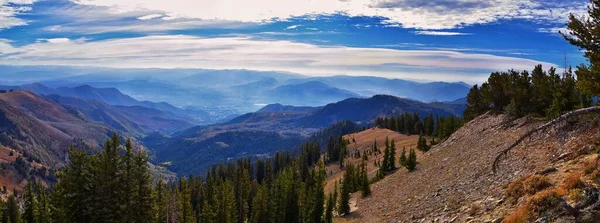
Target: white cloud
554	30
151	16
10	9
181	51
440	33
432	15
292	27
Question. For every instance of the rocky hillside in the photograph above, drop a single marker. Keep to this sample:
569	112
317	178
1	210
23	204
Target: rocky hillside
454	182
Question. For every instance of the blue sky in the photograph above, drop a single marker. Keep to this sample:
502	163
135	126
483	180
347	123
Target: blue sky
436	40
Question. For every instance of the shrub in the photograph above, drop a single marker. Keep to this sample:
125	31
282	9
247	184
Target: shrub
589	167
520	215
535	183
475	209
534	206
527	186
572	181
515	189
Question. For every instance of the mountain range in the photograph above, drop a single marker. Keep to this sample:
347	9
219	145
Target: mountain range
189	120
276	127
224	93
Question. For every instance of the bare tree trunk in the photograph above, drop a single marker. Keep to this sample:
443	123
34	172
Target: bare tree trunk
579	112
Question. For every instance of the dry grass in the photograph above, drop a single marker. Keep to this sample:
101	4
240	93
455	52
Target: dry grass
475	209
527	186
520	215
535	183
534	206
589	167
572	181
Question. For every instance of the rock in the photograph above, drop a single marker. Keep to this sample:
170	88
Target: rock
589	197
547	171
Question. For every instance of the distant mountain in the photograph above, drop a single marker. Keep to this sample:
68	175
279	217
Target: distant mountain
113	96
364	110
228	92
195	155
267	129
109	95
257	86
135	120
227	78
43	128
369	86
308	93
286	108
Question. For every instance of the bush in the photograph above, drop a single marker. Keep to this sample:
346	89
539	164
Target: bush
527	186
515	189
534	206
572	181
535	183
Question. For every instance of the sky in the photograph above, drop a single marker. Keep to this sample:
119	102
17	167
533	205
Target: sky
434	40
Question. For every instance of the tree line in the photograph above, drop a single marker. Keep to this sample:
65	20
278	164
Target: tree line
115	185
539	92
438	127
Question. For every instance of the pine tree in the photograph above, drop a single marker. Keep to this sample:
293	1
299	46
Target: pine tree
162	194
107	184
476	104
329	210
585	34
385	165
392	161
143	193
365	185
260	206
422	144
73	193
31	213
13	214
185	210
403	158
344	203
44	204
411	162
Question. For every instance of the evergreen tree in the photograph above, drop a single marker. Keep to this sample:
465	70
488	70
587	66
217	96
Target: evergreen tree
585	33
411	162
260	206
365	185
73	193
329	210
344	203
107	184
31	214
13	213
476	104
392	161
142	193
422	144
44	211
403	158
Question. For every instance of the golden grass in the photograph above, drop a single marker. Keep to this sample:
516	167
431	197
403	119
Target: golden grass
534	205
572	181
527	186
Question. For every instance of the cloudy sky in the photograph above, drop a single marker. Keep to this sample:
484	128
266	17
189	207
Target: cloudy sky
434	40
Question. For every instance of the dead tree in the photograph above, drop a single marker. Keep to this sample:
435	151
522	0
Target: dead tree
575	113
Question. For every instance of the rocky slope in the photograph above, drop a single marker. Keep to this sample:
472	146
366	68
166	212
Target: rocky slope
454	182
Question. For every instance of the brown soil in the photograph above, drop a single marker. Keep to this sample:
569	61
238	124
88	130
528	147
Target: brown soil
454	181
